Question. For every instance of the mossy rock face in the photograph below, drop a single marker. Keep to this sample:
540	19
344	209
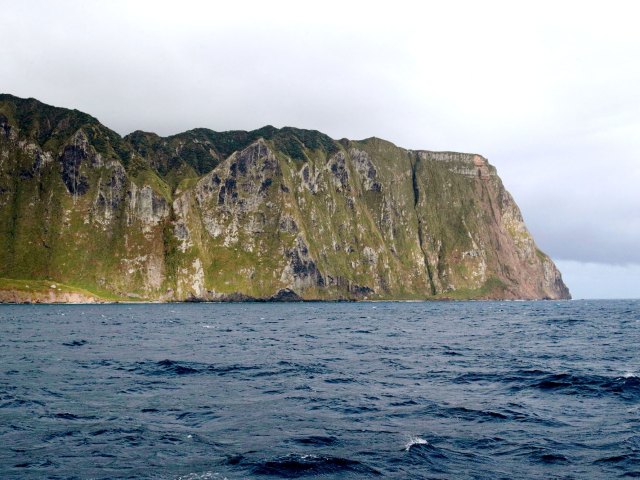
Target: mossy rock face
207	215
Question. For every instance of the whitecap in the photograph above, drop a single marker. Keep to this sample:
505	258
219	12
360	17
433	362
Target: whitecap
415	441
202	476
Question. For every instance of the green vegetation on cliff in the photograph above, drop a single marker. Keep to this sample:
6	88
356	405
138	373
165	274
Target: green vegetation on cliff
230	215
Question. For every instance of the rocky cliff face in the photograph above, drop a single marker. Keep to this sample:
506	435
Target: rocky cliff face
282	213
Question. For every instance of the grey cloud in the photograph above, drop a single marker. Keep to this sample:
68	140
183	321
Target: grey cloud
552	101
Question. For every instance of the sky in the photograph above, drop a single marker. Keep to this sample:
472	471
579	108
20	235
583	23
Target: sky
548	91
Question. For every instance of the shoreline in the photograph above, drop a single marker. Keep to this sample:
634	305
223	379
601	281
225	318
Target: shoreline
306	301
35	292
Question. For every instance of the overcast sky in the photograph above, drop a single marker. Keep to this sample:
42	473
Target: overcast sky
549	92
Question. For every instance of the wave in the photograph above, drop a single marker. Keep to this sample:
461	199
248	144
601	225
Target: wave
415	441
535	453
473	414
421	453
202	476
316	440
594	385
168	367
198	418
75	343
338	380
295	465
179	368
626	386
71	416
284	367
627	463
20	403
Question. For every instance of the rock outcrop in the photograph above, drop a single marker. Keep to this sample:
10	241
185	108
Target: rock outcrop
271	214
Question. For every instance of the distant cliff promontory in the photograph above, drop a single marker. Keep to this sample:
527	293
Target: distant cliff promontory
279	214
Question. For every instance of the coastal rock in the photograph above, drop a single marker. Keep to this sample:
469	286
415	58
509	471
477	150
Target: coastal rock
285	295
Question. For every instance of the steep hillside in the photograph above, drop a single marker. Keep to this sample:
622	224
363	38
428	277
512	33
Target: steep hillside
282	213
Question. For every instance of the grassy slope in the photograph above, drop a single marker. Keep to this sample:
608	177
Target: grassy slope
29	289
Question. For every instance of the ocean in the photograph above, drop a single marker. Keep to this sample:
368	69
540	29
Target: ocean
442	390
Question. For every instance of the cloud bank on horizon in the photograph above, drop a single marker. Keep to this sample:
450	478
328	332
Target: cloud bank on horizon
548	91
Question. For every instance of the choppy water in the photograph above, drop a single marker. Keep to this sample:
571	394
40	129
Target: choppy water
331	390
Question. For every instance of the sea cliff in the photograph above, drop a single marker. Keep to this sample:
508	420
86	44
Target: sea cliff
271	214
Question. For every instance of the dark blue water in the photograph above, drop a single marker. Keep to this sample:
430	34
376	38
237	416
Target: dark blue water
326	390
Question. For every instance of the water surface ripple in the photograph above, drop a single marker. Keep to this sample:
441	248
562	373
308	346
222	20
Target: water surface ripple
321	390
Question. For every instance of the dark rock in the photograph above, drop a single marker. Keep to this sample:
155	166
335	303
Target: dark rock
303	268
265	184
355	290
193	299
71	160
5	128
339	170
221	194
235	297
285	295
287	224
230	185
360	290
158	205
39	161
